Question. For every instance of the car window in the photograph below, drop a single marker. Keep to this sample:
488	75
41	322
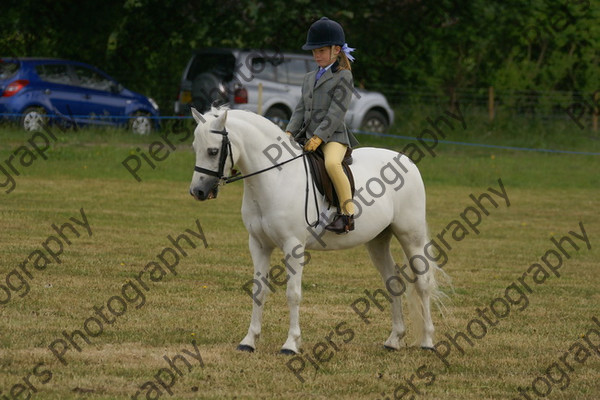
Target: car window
92	80
264	68
8	69
55	73
296	69
221	65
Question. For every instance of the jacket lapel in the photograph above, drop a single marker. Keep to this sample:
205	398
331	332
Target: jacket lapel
311	86
327	75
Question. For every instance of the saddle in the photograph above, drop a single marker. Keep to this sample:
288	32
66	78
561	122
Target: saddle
323	183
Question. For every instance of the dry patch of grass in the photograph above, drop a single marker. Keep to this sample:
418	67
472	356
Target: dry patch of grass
204	302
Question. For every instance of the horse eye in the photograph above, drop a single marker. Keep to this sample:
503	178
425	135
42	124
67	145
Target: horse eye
213	151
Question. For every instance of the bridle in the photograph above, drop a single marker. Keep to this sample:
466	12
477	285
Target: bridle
226	151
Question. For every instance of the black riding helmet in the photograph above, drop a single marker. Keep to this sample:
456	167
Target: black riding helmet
324	32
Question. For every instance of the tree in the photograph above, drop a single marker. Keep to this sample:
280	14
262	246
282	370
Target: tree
447	47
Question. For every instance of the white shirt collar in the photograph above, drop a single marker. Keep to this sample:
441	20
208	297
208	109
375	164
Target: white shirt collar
329	66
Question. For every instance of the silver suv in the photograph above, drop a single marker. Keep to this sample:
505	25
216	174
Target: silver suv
268	83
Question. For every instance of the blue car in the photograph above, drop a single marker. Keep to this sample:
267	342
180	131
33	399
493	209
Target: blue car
34	91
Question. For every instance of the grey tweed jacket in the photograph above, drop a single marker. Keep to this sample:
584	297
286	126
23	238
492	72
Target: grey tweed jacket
322	107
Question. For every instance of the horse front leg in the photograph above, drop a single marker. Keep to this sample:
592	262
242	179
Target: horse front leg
261	256
294	262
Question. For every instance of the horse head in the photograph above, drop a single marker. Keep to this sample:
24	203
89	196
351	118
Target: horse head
213	151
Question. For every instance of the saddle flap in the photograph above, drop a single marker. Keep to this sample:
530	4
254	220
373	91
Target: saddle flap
321	178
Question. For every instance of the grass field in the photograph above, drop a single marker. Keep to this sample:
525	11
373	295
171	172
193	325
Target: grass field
199	310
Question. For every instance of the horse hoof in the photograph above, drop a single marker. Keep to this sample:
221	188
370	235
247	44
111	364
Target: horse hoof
245	347
389	348
427	348
287	352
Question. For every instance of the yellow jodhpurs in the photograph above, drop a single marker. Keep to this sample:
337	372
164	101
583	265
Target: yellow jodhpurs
334	154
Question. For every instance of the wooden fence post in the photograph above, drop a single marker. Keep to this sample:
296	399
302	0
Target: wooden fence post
491	110
595	111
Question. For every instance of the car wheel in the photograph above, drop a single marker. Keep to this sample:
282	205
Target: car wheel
374	121
140	123
278	116
34	119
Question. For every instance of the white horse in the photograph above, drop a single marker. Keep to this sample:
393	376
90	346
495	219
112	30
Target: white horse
273	211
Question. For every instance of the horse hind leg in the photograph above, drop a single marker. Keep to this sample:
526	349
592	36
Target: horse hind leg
381	256
420	272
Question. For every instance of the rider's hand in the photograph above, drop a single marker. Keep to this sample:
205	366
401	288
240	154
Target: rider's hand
313	143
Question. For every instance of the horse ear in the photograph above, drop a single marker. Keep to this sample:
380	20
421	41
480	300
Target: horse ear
221	119
197	116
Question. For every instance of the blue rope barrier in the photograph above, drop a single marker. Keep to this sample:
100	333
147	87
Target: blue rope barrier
493	146
387	135
99	116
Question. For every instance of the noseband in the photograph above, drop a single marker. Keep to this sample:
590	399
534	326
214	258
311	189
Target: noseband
225	151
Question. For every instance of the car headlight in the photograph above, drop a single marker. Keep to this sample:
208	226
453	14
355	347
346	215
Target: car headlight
154	104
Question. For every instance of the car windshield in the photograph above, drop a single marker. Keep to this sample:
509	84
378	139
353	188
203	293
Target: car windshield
222	65
8	68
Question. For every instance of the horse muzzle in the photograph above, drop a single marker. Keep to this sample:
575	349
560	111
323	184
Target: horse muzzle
202	194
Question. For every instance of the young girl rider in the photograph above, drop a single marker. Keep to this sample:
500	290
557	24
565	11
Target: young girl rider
319	115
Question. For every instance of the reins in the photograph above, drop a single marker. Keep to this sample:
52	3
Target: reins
227	151
316	223
237	177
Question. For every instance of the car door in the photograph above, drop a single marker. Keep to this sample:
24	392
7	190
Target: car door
264	72
102	104
59	91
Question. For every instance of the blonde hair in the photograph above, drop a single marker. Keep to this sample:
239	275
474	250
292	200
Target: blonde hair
342	59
